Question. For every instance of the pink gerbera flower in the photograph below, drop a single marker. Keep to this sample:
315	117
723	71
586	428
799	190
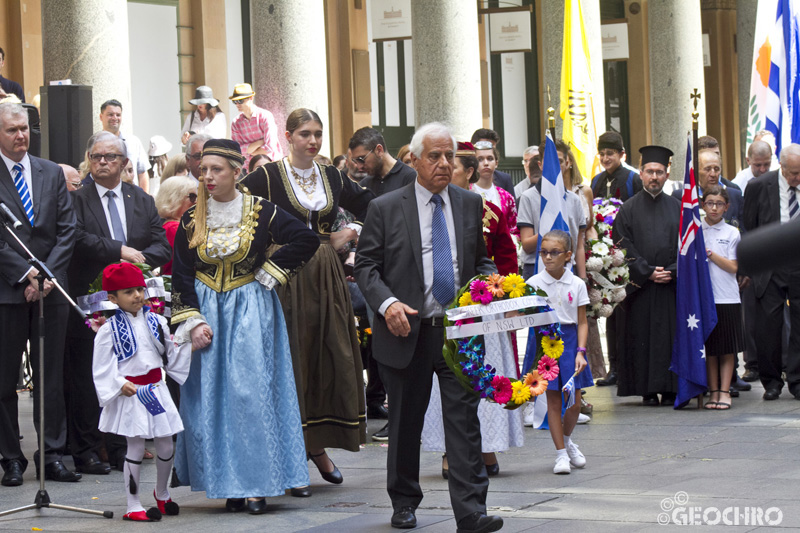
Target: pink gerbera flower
502	389
548	368
479	292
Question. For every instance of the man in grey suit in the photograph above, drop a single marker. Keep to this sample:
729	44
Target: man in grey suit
419	244
36	192
117	222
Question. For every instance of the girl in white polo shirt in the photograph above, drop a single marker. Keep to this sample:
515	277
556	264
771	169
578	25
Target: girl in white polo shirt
726	340
568	296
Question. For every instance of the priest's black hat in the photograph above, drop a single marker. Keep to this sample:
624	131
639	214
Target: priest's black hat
655	154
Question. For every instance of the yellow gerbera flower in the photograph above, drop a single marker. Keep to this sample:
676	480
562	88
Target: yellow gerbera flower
521	393
514	285
465	300
552	347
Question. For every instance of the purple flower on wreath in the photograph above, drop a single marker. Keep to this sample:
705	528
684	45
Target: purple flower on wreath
480	293
609	220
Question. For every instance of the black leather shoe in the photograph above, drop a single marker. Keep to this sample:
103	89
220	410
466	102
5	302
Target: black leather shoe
301	492
118	461
479	523
56	471
234	505
493	470
733	392
334	476
257	506
13	475
382	435
651	400
377	411
92	466
404	518
741	385
610	379
751	376
668	399
771	394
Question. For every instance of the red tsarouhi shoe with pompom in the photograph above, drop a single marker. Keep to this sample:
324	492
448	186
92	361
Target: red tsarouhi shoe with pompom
151	515
167	507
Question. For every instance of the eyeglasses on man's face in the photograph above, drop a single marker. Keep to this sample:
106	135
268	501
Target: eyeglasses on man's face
360	160
108	157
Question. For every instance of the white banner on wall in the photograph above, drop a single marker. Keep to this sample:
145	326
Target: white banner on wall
510	32
615	41
391	19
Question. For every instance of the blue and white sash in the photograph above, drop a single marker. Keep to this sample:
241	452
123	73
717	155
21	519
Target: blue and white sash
122	333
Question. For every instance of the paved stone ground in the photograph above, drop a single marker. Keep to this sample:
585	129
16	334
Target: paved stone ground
639	460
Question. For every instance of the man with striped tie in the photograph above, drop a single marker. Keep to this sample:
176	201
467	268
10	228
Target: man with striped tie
35	191
773	198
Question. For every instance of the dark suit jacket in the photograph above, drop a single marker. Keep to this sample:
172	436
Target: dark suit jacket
52	237
95	248
503	180
733	215
762	207
389	261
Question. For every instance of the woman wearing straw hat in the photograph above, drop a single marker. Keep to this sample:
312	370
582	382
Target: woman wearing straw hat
254	128
207	117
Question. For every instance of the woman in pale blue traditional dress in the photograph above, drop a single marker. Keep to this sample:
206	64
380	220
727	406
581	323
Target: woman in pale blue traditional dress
243	437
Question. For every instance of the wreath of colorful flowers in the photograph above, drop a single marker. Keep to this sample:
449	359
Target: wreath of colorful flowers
159	289
606	267
465	354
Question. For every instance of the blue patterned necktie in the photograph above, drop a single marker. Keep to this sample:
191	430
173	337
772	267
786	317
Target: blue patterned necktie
443	277
116	222
24	194
793	208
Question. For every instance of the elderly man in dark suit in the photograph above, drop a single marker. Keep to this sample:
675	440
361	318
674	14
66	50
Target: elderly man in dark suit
117	222
35	190
419	244
774	198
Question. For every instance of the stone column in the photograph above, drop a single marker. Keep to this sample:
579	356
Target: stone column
745	39
676	68
87	41
447	70
552	54
289	60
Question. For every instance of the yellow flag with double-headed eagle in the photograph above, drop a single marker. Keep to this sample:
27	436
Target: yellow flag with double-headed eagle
577	110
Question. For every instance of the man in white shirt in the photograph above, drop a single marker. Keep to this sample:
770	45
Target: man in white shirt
111	117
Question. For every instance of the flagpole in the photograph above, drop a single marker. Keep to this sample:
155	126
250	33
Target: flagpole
551	117
695	96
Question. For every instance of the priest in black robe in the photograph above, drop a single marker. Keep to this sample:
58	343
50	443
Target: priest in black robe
648	226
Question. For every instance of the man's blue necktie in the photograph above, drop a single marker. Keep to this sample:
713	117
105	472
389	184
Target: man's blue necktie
116	222
22	189
793	208
443	277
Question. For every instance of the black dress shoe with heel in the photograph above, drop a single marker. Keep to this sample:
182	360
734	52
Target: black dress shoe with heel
650	400
493	470
56	471
257	506
404	518
301	492
334	476
13	474
234	505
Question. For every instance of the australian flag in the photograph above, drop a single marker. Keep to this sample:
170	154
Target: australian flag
551	214
696	313
148	398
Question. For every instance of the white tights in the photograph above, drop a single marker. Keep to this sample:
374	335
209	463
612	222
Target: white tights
133	465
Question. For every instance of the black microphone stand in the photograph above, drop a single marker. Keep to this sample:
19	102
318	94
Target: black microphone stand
42	498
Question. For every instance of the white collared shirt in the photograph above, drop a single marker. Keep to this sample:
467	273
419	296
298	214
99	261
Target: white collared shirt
743	178
565	294
722	239
783	193
101	191
26	170
425	208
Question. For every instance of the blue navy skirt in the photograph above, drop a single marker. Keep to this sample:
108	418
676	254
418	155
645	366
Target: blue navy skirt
566	363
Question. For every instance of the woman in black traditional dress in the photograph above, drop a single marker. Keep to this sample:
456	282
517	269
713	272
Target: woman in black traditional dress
316	303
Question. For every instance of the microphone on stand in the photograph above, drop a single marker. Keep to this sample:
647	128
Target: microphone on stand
10	216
